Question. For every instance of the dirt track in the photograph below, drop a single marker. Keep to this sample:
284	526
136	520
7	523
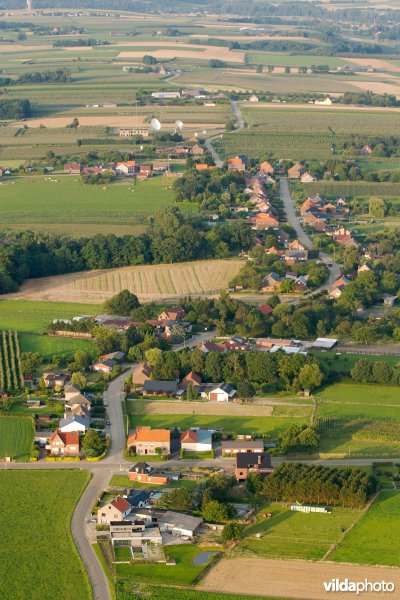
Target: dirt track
293	579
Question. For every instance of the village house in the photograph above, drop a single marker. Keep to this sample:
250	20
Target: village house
72	168
232	447
199	440
144	473
237	164
53	379
267	168
127	168
197	150
104	366
145	171
296	171
265	309
237	343
307	177
190	379
146	440
365	268
271	282
314	222
296	252
153	387
75	402
209	346
339	286
268	343
74	423
141	374
116	510
264	221
64	443
176	313
118	356
221	393
252	462
202	167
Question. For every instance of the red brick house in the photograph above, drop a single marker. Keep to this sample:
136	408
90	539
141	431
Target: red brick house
72	168
64	443
252	462
176	313
143	473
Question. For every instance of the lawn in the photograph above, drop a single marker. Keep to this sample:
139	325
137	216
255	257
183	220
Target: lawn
183	573
294	534
128	589
38	558
16	437
374	540
123	481
59	200
343	363
31	319
271	426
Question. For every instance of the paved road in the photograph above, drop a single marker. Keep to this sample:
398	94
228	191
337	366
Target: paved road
113	397
215	156
196	339
304	238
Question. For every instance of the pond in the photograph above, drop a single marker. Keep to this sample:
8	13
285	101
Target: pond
203	558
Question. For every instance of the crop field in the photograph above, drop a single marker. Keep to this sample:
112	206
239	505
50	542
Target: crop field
294	534
39	562
353	188
16	437
125	587
286	60
152	282
374	539
303	133
60	200
11	376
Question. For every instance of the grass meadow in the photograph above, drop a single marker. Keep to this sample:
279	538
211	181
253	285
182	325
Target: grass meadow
299	535
31	319
38	558
64	200
350	189
16	437
374	539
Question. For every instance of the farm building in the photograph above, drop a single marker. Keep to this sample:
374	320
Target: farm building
324	343
152	387
199	440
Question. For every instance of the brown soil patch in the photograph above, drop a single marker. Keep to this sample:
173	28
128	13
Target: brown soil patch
376	63
205	408
184	51
378	87
292	579
85	121
22	48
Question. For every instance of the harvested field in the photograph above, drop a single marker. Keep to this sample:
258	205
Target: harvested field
376	63
289	579
85	121
199	408
378	87
185	51
150	282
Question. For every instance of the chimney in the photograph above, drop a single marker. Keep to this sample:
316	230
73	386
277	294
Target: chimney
259	460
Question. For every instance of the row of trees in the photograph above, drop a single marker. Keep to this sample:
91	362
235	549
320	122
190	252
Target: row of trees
379	371
15	109
11	373
172	238
333	486
57	76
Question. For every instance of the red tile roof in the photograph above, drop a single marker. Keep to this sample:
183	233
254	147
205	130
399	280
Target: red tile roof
120	504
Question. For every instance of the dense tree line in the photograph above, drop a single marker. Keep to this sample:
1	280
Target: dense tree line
79	42
368	99
379	371
332	486
58	76
15	109
172	238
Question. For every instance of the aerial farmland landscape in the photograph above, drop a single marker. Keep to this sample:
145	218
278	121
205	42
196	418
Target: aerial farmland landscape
199	299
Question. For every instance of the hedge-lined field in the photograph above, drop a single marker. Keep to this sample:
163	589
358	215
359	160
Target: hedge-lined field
16	437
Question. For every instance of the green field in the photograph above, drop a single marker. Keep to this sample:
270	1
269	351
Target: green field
343	363
287	60
353	188
294	534
31	318
16	437
183	573
303	133
374	539
271	426
63	200
39	559
127	589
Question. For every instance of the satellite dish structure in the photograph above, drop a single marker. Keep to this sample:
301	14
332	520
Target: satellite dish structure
204	131
178	126
155	125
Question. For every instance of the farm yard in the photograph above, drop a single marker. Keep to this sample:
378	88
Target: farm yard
16	437
153	282
65	205
47	547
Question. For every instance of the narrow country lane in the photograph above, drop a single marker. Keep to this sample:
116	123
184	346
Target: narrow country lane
334	268
113	397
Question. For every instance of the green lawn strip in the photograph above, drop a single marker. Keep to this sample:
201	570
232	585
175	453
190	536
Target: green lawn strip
184	572
16	437
294	534
38	557
374	539
106	570
123	481
273	426
128	589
